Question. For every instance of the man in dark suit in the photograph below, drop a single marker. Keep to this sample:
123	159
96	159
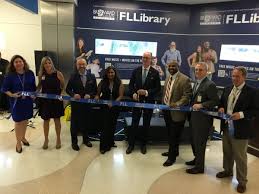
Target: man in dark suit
144	86
177	92
81	85
238	101
204	97
4	104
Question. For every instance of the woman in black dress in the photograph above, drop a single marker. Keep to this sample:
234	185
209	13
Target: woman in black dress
51	81
110	88
81	50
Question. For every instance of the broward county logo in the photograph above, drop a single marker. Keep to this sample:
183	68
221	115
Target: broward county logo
101	14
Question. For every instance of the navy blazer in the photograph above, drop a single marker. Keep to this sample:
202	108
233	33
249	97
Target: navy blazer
152	83
246	103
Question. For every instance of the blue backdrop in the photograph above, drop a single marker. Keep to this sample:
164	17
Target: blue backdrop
188	26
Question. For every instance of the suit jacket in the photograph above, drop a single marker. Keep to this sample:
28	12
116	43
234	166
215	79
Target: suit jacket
207	92
152	83
75	85
246	103
181	95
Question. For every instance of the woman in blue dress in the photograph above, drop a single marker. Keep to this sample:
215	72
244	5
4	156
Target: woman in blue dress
19	78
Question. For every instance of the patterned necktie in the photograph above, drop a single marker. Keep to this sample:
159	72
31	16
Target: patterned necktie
144	76
83	79
167	91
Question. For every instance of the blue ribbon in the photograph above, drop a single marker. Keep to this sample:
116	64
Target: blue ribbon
124	104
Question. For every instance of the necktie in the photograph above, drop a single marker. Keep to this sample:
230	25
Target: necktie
234	96
144	75
167	91
195	87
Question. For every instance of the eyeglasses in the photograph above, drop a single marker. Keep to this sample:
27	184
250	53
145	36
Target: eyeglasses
199	69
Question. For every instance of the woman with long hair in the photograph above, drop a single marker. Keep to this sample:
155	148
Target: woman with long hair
110	88
51	81
81	50
193	59
19	78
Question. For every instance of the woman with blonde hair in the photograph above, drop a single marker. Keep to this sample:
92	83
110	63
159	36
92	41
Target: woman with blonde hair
19	78
51	81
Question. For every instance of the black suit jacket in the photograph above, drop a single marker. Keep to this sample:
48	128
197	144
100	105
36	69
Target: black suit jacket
75	85
246	103
152	83
209	99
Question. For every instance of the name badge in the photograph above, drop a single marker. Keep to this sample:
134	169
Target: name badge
43	78
1	72
199	98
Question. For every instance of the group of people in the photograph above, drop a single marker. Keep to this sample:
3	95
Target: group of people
144	86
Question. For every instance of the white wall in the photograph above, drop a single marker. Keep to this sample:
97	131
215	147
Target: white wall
20	32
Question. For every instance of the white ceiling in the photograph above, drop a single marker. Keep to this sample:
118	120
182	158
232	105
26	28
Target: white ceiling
190	2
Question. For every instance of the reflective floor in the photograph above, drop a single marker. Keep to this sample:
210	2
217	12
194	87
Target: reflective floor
87	171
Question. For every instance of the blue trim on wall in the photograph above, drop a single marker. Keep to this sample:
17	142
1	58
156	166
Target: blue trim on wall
30	5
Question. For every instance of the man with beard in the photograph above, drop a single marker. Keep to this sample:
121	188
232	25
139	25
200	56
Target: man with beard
81	85
171	55
209	56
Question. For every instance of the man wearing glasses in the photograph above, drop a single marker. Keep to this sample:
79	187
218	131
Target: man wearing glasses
144	86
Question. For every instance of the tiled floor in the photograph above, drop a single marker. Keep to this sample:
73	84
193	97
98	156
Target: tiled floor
88	172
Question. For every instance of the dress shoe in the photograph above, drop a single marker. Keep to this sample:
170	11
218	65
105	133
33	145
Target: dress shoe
129	149
18	151
88	144
143	149
58	146
169	162
102	151
45	145
114	145
241	188
165	154
194	171
190	163
75	147
26	143
223	174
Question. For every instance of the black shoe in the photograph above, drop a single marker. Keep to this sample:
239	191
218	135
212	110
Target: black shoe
129	149
18	151
194	171
102	151
165	154
114	145
88	144
223	174
241	188
190	163
26	143
143	149
75	147
169	162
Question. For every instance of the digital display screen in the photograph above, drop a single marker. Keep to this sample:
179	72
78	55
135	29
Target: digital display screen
124	47
242	53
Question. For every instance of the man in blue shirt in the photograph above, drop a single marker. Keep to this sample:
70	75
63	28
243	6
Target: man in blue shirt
171	55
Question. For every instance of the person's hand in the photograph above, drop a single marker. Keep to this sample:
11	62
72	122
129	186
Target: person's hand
77	97
16	95
141	92
235	116
221	110
197	106
87	96
135	97
173	105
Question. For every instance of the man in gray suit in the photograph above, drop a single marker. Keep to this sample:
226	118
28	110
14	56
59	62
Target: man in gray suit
204	97
177	92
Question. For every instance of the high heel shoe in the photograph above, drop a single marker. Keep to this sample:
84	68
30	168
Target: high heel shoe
26	143
18	151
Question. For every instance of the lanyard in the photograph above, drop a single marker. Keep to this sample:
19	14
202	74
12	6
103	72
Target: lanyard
22	81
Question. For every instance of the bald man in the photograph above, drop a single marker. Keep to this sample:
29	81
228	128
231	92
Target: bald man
81	85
